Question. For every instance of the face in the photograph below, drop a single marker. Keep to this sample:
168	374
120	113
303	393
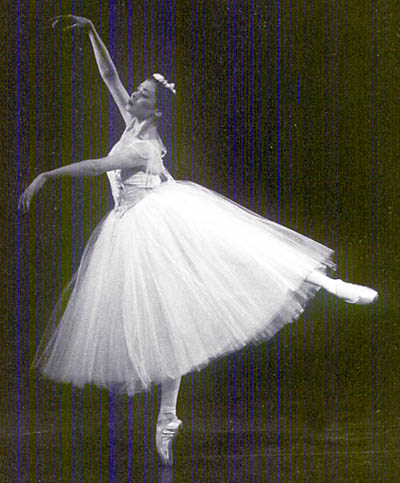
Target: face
143	101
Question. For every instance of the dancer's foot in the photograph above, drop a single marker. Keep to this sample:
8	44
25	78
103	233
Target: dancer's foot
167	429
354	294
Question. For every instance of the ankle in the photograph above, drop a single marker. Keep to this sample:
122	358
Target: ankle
166	412
332	285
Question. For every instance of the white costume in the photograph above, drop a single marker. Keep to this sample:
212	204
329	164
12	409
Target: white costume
174	276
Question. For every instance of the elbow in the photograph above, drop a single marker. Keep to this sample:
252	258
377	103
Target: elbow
94	168
108	74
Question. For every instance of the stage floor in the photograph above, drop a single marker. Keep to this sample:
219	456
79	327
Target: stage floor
114	442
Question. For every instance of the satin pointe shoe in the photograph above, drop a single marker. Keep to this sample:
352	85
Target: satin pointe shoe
354	294
166	431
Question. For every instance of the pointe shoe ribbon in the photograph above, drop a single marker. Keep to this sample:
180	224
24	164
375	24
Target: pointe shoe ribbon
165	433
355	294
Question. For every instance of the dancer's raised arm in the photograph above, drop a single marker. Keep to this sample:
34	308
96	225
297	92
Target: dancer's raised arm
107	69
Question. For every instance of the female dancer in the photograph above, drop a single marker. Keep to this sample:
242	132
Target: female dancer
175	275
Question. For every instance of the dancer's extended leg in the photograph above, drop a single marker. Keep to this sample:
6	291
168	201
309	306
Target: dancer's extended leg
349	292
167	424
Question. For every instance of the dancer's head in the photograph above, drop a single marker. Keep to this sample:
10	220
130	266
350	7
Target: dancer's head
143	100
149	98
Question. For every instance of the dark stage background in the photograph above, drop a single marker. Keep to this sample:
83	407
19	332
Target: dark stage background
288	107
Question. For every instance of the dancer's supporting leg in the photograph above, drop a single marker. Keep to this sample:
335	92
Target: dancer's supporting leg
167	424
349	292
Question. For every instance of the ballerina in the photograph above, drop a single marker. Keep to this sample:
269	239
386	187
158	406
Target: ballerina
174	275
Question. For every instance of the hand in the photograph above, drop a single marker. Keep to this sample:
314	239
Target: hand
31	190
78	22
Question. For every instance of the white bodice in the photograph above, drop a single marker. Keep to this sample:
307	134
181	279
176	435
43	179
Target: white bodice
133	189
127	191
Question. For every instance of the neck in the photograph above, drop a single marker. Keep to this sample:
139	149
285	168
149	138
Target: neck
145	128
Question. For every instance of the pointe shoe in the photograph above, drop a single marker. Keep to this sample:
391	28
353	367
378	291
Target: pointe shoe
354	294
165	433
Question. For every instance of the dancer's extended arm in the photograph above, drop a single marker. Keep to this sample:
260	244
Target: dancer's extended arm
89	167
106	66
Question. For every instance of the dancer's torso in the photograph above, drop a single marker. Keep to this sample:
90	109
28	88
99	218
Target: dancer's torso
129	186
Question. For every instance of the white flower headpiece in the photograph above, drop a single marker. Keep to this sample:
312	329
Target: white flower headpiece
160	78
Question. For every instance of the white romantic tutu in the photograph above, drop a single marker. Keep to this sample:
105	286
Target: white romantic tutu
172	278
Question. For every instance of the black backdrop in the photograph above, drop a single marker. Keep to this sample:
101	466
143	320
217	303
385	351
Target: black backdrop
289	108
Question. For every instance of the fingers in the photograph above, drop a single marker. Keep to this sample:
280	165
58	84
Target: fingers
24	202
71	26
58	18
21	204
27	202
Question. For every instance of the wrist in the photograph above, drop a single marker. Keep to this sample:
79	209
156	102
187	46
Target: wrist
90	29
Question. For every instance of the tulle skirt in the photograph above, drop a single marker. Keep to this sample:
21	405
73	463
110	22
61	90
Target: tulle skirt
181	277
